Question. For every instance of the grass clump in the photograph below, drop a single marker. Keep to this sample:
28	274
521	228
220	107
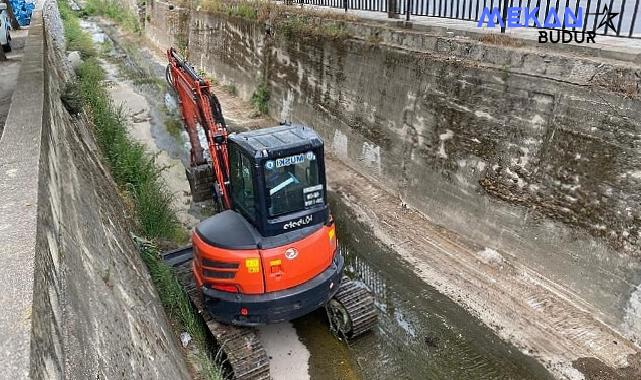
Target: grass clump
244	10
501	40
115	11
230	89
132	168
292	21
135	171
174	126
172	294
76	38
260	98
307	26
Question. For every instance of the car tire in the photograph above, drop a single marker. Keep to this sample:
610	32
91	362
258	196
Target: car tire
6	48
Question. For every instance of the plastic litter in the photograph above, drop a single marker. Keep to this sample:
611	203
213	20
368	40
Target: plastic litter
185	338
22	9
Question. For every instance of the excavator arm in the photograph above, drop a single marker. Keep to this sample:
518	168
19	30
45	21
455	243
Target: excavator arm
199	107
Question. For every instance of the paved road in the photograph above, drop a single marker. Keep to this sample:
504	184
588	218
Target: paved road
9	74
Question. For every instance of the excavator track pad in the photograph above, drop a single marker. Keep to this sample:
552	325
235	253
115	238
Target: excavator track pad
240	347
351	312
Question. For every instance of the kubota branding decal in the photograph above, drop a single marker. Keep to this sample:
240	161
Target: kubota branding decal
291	160
291	253
300	222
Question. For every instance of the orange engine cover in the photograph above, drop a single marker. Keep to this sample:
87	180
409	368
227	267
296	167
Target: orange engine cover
256	271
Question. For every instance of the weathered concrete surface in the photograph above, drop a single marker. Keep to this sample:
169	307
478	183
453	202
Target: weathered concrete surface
77	299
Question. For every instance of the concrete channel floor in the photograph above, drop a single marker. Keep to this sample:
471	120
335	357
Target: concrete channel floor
9	70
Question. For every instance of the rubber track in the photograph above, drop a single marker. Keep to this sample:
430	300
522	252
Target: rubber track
244	352
359	303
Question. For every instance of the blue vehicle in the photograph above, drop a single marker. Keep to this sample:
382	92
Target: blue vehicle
5	29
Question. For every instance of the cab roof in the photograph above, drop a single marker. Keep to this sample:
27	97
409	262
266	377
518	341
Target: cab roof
277	141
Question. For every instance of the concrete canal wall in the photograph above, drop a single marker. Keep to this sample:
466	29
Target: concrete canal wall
77	300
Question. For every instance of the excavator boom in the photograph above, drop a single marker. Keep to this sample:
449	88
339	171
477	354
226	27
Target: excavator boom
199	107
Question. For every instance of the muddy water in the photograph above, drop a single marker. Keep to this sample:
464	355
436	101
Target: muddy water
421	335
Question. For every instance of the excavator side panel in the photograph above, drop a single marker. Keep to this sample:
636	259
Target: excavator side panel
294	264
235	271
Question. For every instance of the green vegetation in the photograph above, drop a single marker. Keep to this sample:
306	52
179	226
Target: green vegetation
114	10
77	40
137	174
308	26
260	98
132	168
291	21
172	294
173	125
230	89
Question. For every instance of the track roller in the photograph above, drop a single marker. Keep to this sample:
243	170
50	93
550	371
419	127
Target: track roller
351	312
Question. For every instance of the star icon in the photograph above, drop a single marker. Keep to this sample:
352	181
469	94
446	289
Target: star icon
607	18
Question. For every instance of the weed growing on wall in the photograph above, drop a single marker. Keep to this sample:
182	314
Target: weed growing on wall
290	20
260	98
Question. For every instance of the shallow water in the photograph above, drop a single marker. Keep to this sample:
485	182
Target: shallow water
422	334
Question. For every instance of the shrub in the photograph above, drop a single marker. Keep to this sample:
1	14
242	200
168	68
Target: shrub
260	98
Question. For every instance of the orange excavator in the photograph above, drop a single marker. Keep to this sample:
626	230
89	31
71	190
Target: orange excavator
271	254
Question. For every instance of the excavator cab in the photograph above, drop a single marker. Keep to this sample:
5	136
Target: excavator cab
273	256
277	178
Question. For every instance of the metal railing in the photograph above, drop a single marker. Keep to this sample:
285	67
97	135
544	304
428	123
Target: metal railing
626	22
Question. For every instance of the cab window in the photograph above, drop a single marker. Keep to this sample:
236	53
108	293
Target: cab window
293	184
242	183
